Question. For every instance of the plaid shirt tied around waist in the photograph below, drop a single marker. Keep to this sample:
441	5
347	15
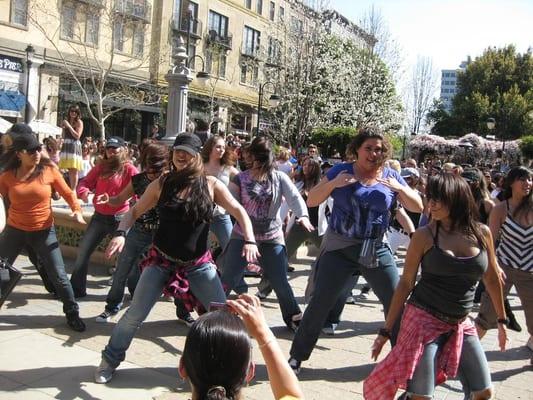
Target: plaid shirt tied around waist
418	329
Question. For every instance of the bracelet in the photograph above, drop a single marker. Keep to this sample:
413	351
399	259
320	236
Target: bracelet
120	232
384	332
272	339
503	321
250	242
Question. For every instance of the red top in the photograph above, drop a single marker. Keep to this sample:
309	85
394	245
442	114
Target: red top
418	329
112	185
30	206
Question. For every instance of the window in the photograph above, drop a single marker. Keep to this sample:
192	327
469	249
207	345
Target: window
251	41
118	35
19	12
181	14
68	16
259	7
216	63
274	50
248	4
297	25
272	12
281	13
92	26
218	23
138	40
249	74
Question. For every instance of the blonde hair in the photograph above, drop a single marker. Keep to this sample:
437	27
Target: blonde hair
395	165
283	154
448	167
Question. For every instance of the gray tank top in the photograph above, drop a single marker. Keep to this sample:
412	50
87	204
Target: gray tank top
448	283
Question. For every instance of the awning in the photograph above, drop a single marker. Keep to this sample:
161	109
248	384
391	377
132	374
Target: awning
11	103
4	125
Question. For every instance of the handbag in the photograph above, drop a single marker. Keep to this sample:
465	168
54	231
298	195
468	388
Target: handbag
9	277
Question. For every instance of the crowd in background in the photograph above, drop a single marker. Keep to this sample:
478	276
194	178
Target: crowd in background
460	223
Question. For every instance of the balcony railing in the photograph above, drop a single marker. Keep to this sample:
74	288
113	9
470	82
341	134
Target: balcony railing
135	9
93	3
182	25
213	37
252	51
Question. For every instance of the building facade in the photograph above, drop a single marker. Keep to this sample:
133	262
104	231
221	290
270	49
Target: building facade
448	85
129	44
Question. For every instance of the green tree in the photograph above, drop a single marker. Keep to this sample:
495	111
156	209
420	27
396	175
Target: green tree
499	84
526	146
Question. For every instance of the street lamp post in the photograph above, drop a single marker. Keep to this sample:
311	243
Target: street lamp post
30	52
179	78
273	101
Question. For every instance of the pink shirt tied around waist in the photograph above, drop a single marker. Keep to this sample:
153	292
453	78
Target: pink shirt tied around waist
113	185
178	285
418	329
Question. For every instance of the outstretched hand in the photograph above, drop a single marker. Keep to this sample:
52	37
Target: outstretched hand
343	178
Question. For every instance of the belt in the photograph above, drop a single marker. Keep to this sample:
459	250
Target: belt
147	227
179	263
444	318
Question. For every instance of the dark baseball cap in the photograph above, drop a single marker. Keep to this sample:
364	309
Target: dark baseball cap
25	142
20	128
115	142
188	142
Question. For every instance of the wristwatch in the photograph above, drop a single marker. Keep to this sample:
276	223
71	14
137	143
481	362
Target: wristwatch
120	232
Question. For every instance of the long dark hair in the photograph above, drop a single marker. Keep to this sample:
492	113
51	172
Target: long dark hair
12	162
261	151
217	355
78	113
479	187
313	178
513	175
192	182
227	158
154	158
454	193
114	164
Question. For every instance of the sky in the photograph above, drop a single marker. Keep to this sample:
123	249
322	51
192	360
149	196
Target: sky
448	31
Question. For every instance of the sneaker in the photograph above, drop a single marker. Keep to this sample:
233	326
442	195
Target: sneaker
295	322
261	295
514	325
329	329
75	322
104	372
530	343
187	319
295	365
106	316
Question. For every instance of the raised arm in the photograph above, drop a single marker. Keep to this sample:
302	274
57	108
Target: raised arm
321	192
117	200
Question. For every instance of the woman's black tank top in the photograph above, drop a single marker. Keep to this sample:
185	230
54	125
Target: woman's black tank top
448	283
178	236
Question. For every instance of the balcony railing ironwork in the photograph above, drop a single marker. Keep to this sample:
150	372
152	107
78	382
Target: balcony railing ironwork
213	37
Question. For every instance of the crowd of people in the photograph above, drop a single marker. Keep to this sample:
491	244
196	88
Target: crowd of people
468	234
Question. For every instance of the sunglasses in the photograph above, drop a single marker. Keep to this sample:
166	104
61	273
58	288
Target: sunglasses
31	152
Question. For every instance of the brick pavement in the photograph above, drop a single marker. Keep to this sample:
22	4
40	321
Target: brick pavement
40	358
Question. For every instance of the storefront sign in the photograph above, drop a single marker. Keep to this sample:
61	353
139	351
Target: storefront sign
10	64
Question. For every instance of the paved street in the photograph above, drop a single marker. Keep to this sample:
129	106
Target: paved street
40	358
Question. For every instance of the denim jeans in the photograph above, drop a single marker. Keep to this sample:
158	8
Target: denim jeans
334	279
296	236
473	370
221	226
127	270
274	263
46	246
203	282
99	227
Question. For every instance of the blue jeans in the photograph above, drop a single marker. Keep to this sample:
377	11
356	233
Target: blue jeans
274	263
473	370
203	282
127	269
221	226
99	227
333	280
46	246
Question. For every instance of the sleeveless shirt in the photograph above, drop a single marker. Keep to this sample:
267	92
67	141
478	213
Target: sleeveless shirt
178	235
448	283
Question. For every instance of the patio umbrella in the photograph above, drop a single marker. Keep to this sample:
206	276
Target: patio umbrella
4	125
44	128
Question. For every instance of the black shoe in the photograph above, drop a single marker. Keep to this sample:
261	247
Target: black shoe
290	268
513	323
75	322
295	365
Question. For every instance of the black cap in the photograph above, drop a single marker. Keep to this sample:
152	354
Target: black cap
115	141
25	142
20	128
188	142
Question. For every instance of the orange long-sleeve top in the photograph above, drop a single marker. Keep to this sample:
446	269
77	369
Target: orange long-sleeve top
30	206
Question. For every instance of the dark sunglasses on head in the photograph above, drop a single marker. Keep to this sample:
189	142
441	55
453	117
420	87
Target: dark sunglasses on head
32	151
